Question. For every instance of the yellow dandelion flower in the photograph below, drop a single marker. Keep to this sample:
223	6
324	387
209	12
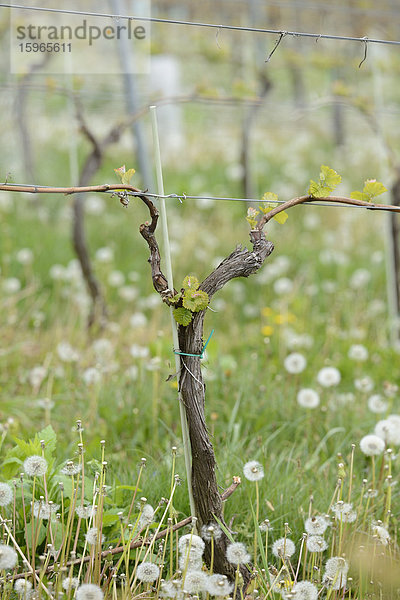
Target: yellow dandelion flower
267	330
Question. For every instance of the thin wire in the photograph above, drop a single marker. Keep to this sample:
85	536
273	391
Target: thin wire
180	197
200	24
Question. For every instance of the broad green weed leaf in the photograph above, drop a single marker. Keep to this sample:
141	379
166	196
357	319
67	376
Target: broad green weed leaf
182	315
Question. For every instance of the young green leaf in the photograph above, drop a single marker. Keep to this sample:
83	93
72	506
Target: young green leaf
190	283
252	216
175	299
182	315
272	198
328	180
372	188
126	177
195	300
120	172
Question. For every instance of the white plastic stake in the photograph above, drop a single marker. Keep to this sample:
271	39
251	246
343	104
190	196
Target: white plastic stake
167	254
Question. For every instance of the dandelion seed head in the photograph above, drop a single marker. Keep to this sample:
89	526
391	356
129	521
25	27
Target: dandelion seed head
381	533
283	548
328	376
6	494
192	541
389	430
147	516
85	512
44	510
335	576
89	591
171	589
70	583
308	398
358	352
372	445
92	536
35	466
8	557
344	512
237	554
364	384
193	562
23	587
377	404
316	543
253	470
71	468
316	525
302	590
195	582
147	572
211	531
295	363
218	585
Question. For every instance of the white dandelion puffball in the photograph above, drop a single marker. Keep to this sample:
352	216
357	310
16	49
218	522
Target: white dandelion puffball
11	285
8	557
92	536
295	363
302	590
24	256
6	494
147	516
23	588
283	548
344	512
116	279
104	255
389	431
316	525
191	562
147	572
283	286
253	470
308	398
195	582
381	534
358	352
67	353
211	532
371	445
70	583
91	376
89	591
316	543
364	384
85	512
35	466
218	585
328	376
237	554
192	541
377	404
335	576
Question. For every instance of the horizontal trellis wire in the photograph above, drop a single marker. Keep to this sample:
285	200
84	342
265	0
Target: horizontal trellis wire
216	26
